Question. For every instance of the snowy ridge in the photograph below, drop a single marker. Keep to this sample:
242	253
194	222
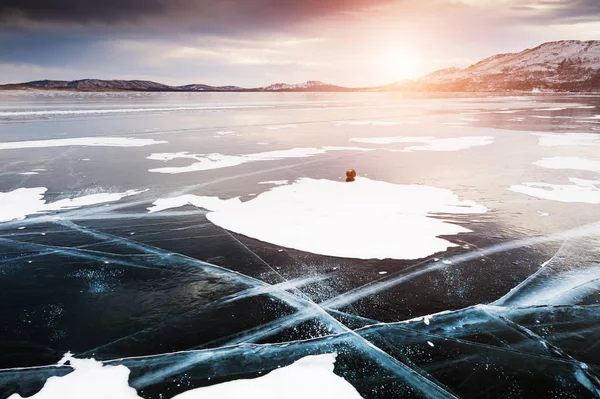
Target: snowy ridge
567	65
311	85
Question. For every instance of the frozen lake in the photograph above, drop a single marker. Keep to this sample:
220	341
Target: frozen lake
199	238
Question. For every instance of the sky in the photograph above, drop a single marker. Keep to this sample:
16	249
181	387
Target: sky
254	43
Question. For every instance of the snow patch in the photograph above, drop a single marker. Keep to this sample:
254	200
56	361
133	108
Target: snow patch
279	127
309	377
18	204
568	139
224	133
218	161
274	182
364	219
569	163
90	379
374	123
81	141
430	143
585	191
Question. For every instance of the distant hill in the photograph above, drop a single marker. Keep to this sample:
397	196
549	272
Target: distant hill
311	85
146	85
95	85
568	65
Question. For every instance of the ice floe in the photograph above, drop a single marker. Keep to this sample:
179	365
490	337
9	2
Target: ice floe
19	203
218	161
430	143
81	141
308	377
585	191
568	139
365	219
569	163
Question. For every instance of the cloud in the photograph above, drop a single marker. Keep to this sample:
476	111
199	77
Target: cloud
258	42
199	15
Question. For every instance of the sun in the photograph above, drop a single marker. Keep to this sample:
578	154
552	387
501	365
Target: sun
399	64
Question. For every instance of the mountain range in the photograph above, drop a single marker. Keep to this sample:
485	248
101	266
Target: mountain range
567	65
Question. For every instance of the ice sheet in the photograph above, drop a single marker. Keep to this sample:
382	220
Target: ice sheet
363	219
569	277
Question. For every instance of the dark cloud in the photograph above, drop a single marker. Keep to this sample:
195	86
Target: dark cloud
189	13
559	11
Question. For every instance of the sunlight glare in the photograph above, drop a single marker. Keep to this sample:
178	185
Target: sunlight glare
400	63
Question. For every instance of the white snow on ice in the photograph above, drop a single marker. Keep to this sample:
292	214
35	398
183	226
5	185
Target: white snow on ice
568	139
224	133
430	143
279	127
309	377
218	161
374	123
59	112
585	191
274	182
81	141
19	203
90	379
569	163
364	219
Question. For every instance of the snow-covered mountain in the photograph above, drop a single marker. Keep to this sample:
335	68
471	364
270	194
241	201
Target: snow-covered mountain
203	87
311	85
196	87
568	65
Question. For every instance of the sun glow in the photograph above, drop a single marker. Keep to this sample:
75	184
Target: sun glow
399	64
